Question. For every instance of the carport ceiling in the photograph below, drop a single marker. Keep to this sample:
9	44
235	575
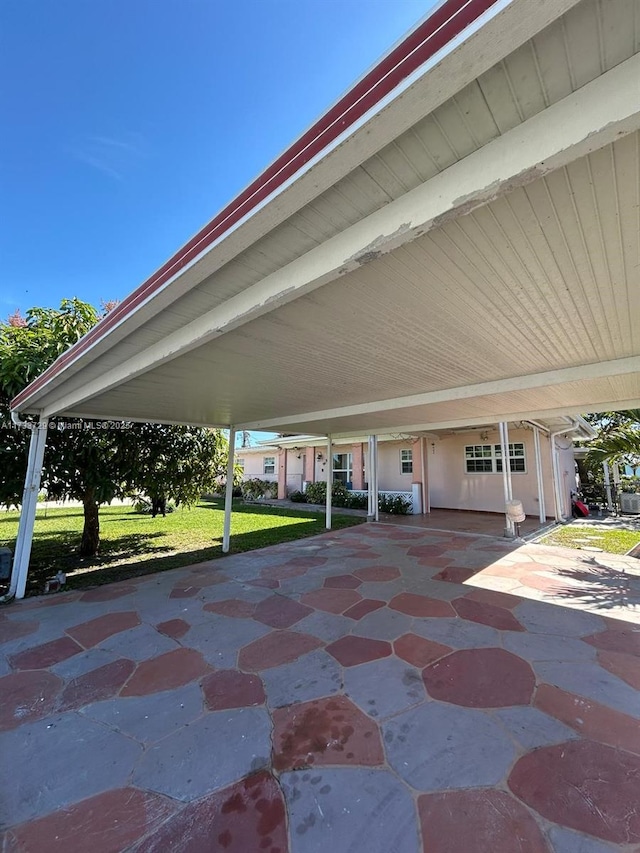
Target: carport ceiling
499	283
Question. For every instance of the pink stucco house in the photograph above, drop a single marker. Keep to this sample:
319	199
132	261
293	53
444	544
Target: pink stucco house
449	469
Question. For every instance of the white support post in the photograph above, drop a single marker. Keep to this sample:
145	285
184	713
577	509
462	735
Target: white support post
374	476
426	489
228	495
607	486
370	512
539	475
509	530
555	474
615	470
37	446
329	482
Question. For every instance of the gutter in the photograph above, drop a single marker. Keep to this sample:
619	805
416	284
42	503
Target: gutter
575	425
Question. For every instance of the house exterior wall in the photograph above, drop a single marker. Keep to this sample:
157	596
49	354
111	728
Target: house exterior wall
295	469
254	465
320	464
450	486
453	488
390	476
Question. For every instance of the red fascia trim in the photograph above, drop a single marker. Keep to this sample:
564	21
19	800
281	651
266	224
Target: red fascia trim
432	35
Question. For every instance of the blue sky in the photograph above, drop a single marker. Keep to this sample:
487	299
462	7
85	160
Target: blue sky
128	123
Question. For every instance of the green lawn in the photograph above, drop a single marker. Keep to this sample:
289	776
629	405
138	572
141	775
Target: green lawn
577	536
133	544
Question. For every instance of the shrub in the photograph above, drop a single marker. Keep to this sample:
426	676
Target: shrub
341	497
356	501
252	490
316	493
236	492
394	505
298	497
339	494
142	506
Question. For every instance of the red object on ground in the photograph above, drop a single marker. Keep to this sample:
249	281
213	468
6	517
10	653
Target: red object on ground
580	510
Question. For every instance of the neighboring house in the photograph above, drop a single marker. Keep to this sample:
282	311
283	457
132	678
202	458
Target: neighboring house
453	469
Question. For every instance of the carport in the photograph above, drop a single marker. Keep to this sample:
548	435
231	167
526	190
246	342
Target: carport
455	242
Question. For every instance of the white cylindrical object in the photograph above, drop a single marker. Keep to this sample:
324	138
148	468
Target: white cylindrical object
506	475
539	475
515	511
228	493
329	482
416	490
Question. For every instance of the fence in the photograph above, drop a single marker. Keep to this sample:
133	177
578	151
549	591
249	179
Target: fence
408	496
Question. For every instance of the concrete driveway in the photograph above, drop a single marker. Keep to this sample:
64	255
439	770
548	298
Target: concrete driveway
376	689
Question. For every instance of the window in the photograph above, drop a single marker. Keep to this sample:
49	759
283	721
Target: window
240	464
269	465
406	461
487	458
478	458
343	468
516	458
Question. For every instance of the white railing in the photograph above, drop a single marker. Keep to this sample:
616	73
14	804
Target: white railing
408	496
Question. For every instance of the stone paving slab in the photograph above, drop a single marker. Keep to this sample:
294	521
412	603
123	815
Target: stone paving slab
380	689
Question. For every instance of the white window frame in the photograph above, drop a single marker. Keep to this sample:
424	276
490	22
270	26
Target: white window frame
406	459
492	454
240	463
515	456
348	471
269	462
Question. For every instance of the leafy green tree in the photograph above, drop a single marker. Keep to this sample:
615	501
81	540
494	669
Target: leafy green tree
621	445
606	422
618	441
83	460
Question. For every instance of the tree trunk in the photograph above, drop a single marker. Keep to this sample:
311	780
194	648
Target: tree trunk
91	532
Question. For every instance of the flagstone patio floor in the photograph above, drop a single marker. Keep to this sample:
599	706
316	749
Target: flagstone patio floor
379	689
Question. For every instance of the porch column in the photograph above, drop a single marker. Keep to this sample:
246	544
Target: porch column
310	465
426	490
37	444
509	530
607	486
282	474
357	472
228	494
417	484
615	468
555	474
373	512
329	481
539	477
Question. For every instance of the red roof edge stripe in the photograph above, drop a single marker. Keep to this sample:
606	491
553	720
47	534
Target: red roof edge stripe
421	44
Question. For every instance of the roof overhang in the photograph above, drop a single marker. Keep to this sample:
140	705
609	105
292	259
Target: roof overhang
454	243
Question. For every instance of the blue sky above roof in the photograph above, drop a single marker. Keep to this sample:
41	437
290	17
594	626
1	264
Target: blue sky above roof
128	125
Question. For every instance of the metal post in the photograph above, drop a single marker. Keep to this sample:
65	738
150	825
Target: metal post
506	476
374	492
607	485
555	473
539	475
228	494
329	481
370	512
37	446
615	470
426	490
